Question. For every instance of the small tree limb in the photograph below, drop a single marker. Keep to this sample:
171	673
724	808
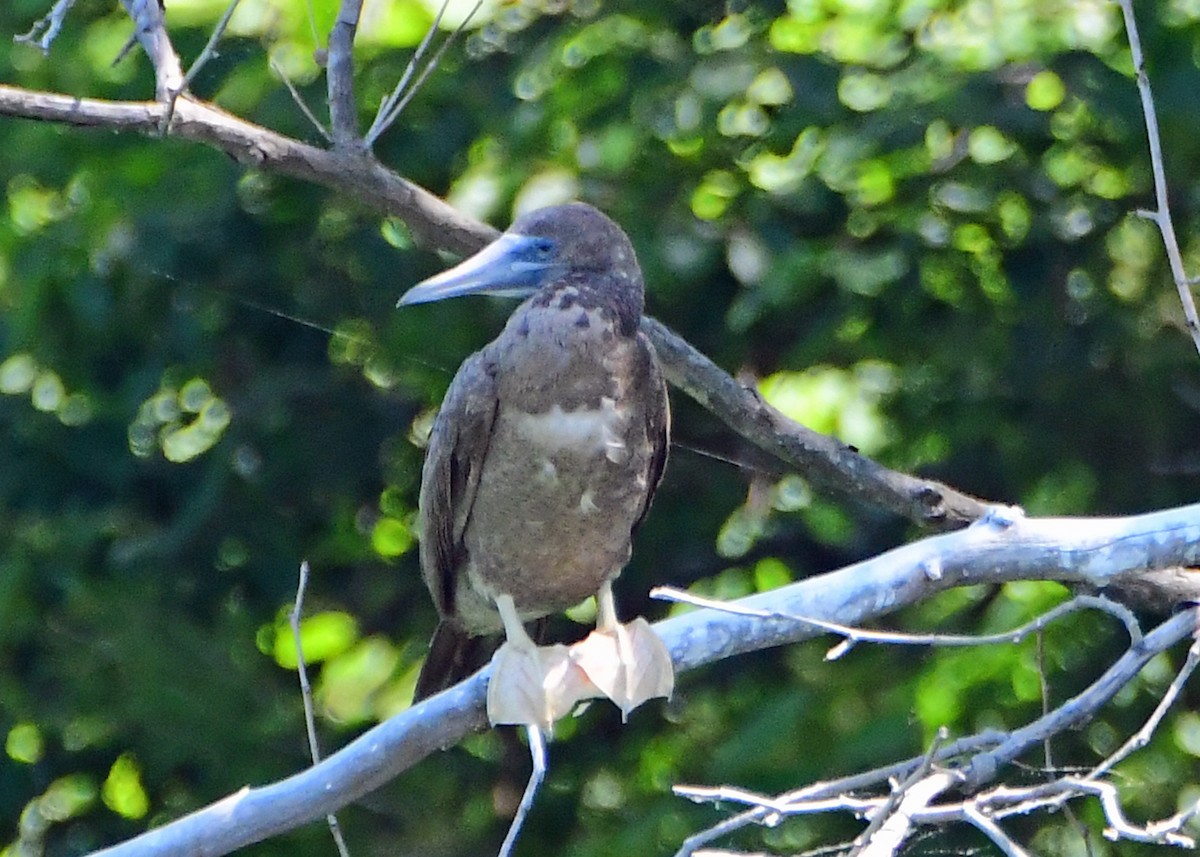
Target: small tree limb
1161	215
150	32
1067	549
827	462
343	111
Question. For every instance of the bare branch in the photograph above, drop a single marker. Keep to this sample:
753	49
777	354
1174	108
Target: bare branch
892	834
210	48
1142	737
828	463
392	106
1162	213
982	767
432	221
150	31
763	807
300	102
1029	548
537	753
892	819
46	29
380	125
310	724
888	827
856	635
343	112
993	831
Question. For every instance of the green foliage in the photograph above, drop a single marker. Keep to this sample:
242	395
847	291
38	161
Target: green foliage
911	222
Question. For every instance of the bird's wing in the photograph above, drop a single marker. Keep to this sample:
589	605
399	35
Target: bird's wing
658	419
458	446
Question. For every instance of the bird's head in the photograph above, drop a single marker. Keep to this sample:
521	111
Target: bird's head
540	249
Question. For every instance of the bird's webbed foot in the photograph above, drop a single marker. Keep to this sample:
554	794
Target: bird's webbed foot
535	685
531	685
627	663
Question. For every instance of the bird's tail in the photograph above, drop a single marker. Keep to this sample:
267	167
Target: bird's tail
453	655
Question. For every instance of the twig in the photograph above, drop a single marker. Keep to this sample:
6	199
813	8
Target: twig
300	102
210	50
1048	743
320	55
432	221
385	106
826	462
537	753
992	831
810	796
392	106
1142	737
896	827
869	845
343	114
46	29
151	33
310	724
1162	212
982	767
1119	826
855	635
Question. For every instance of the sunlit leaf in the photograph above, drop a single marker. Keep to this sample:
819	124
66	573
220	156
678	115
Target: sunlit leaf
122	790
24	743
322	636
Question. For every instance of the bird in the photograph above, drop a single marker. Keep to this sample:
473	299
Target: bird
541	464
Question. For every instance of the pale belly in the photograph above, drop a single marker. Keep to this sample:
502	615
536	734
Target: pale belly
555	506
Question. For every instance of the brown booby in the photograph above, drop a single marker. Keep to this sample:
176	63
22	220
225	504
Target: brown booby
541	464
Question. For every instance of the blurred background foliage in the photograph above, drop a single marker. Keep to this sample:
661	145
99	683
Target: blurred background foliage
910	220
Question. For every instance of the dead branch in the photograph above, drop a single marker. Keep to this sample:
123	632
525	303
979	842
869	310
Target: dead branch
828	463
1069	549
894	815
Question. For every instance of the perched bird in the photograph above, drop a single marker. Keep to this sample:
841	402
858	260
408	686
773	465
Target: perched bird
542	463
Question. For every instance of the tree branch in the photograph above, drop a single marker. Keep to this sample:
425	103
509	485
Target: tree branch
1161	215
1094	550
46	29
151	33
894	815
343	112
826	462
432	221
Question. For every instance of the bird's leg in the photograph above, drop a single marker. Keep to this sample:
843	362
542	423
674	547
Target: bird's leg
527	683
606	606
628	663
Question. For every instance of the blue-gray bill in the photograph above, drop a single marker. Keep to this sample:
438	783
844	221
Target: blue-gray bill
511	266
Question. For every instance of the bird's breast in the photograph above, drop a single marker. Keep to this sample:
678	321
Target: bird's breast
583	431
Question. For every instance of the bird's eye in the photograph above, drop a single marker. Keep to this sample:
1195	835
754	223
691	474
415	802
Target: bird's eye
543	249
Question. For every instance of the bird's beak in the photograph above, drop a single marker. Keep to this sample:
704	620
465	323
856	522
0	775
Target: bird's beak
512	265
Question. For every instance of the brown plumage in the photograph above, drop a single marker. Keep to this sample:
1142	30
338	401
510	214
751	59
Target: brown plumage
550	442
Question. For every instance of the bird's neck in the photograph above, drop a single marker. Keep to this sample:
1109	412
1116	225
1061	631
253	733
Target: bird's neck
617	297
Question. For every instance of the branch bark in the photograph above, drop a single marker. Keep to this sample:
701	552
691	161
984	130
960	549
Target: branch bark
343	110
151	33
1096	551
826	462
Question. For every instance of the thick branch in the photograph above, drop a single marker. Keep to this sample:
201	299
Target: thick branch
432	221
829	464
343	112
825	461
151	33
1091	550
